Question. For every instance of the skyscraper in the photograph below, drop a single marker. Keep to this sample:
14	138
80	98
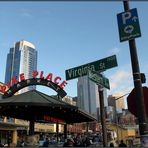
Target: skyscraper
119	104
22	58
88	96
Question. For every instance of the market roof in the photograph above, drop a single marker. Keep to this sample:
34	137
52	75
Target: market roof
34	104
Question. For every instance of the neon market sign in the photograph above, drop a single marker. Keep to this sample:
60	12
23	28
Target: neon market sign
10	88
50	119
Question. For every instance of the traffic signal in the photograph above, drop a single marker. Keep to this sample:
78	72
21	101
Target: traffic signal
143	79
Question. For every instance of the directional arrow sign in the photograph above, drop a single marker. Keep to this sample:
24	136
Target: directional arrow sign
99	65
128	25
98	79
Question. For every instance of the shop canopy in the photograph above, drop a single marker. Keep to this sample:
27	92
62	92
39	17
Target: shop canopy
34	105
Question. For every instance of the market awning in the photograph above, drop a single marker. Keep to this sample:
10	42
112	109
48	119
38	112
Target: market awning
35	105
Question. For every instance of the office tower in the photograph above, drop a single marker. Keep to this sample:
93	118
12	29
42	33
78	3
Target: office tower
88	96
22	58
117	101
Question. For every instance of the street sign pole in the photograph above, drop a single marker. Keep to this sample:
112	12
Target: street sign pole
143	125
102	114
100	65
89	94
98	79
89	105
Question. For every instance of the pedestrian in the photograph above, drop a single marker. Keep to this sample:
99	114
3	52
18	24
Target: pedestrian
46	142
122	144
69	143
111	144
1	145
78	141
87	142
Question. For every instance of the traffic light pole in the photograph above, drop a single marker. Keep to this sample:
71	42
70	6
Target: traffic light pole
142	119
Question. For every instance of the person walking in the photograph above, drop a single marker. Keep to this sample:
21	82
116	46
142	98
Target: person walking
111	144
122	144
46	142
69	143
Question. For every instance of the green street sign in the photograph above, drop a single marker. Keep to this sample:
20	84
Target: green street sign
98	79
100	65
128	25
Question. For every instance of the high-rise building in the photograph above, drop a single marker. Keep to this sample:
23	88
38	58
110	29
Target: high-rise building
22	58
88	96
116	102
113	100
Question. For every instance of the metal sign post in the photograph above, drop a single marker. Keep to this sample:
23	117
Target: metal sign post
100	65
101	82
143	125
102	114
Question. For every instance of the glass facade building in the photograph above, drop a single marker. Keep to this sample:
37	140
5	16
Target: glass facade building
88	96
22	58
9	65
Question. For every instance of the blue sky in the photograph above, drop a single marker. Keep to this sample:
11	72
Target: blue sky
70	34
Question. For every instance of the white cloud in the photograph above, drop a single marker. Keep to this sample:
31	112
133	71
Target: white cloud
118	78
114	50
25	13
121	82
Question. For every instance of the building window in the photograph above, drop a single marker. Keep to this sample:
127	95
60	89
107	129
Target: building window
10	120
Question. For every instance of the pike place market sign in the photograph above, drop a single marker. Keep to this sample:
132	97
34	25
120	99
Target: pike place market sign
10	88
